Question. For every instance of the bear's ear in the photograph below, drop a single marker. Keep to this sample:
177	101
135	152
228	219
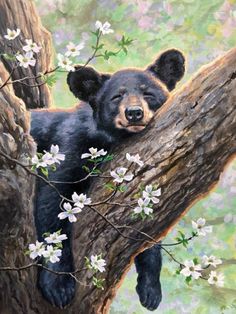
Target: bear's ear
85	82
169	67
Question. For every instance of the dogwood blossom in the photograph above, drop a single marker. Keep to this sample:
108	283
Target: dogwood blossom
135	158
216	279
200	227
44	161
26	59
104	28
56	237
191	269
74	50
56	156
52	254
211	260
98	263
120	175
80	200
94	153
65	63
69	212
31	46
36	249
12	34
151	193
143	207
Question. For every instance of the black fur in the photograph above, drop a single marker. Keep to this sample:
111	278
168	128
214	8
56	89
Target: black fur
75	132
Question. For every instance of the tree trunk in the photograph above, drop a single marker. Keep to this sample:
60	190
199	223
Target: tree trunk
185	149
22	14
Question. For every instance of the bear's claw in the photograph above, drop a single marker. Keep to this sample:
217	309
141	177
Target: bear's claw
59	290
149	291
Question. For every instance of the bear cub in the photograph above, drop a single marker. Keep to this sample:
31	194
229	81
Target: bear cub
112	108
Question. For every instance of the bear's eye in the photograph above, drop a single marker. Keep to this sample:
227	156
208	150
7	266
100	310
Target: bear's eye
116	97
148	95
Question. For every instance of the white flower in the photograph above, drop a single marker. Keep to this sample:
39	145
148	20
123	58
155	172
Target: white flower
26	59
135	159
56	156
52	254
80	200
98	263
216	279
199	226
143	207
104	28
191	269
36	249
211	260
120	175
12	34
45	161
151	194
94	153
65	62
31	46
56	237
74	50
69	212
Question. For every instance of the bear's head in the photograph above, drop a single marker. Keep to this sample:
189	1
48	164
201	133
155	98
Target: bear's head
126	101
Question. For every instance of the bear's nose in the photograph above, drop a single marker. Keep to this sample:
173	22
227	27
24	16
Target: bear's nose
134	113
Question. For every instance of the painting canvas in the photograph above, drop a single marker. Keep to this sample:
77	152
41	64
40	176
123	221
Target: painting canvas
117	146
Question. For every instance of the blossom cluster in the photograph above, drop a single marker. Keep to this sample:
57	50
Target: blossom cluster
192	269
149	197
120	174
73	50
97	264
47	160
200	227
27	57
69	212
50	249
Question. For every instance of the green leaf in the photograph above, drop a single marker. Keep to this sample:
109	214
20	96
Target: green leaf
44	171
98	282
8	56
59	245
194	234
99	47
108	158
85	168
122	188
188	279
107	54
96	171
96	33
46	234
51	80
110	186
195	260
53	167
33	168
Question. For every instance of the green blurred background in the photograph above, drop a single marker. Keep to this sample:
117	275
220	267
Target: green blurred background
203	30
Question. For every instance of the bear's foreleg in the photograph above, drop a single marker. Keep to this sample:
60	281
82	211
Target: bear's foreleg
148	265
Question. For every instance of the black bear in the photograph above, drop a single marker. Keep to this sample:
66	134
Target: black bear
112	108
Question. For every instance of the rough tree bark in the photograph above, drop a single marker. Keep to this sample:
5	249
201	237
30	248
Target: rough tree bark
22	14
185	149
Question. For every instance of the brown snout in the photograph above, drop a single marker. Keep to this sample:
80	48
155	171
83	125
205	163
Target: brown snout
134	114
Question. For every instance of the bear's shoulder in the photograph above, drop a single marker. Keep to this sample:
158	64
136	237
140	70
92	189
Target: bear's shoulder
50	126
